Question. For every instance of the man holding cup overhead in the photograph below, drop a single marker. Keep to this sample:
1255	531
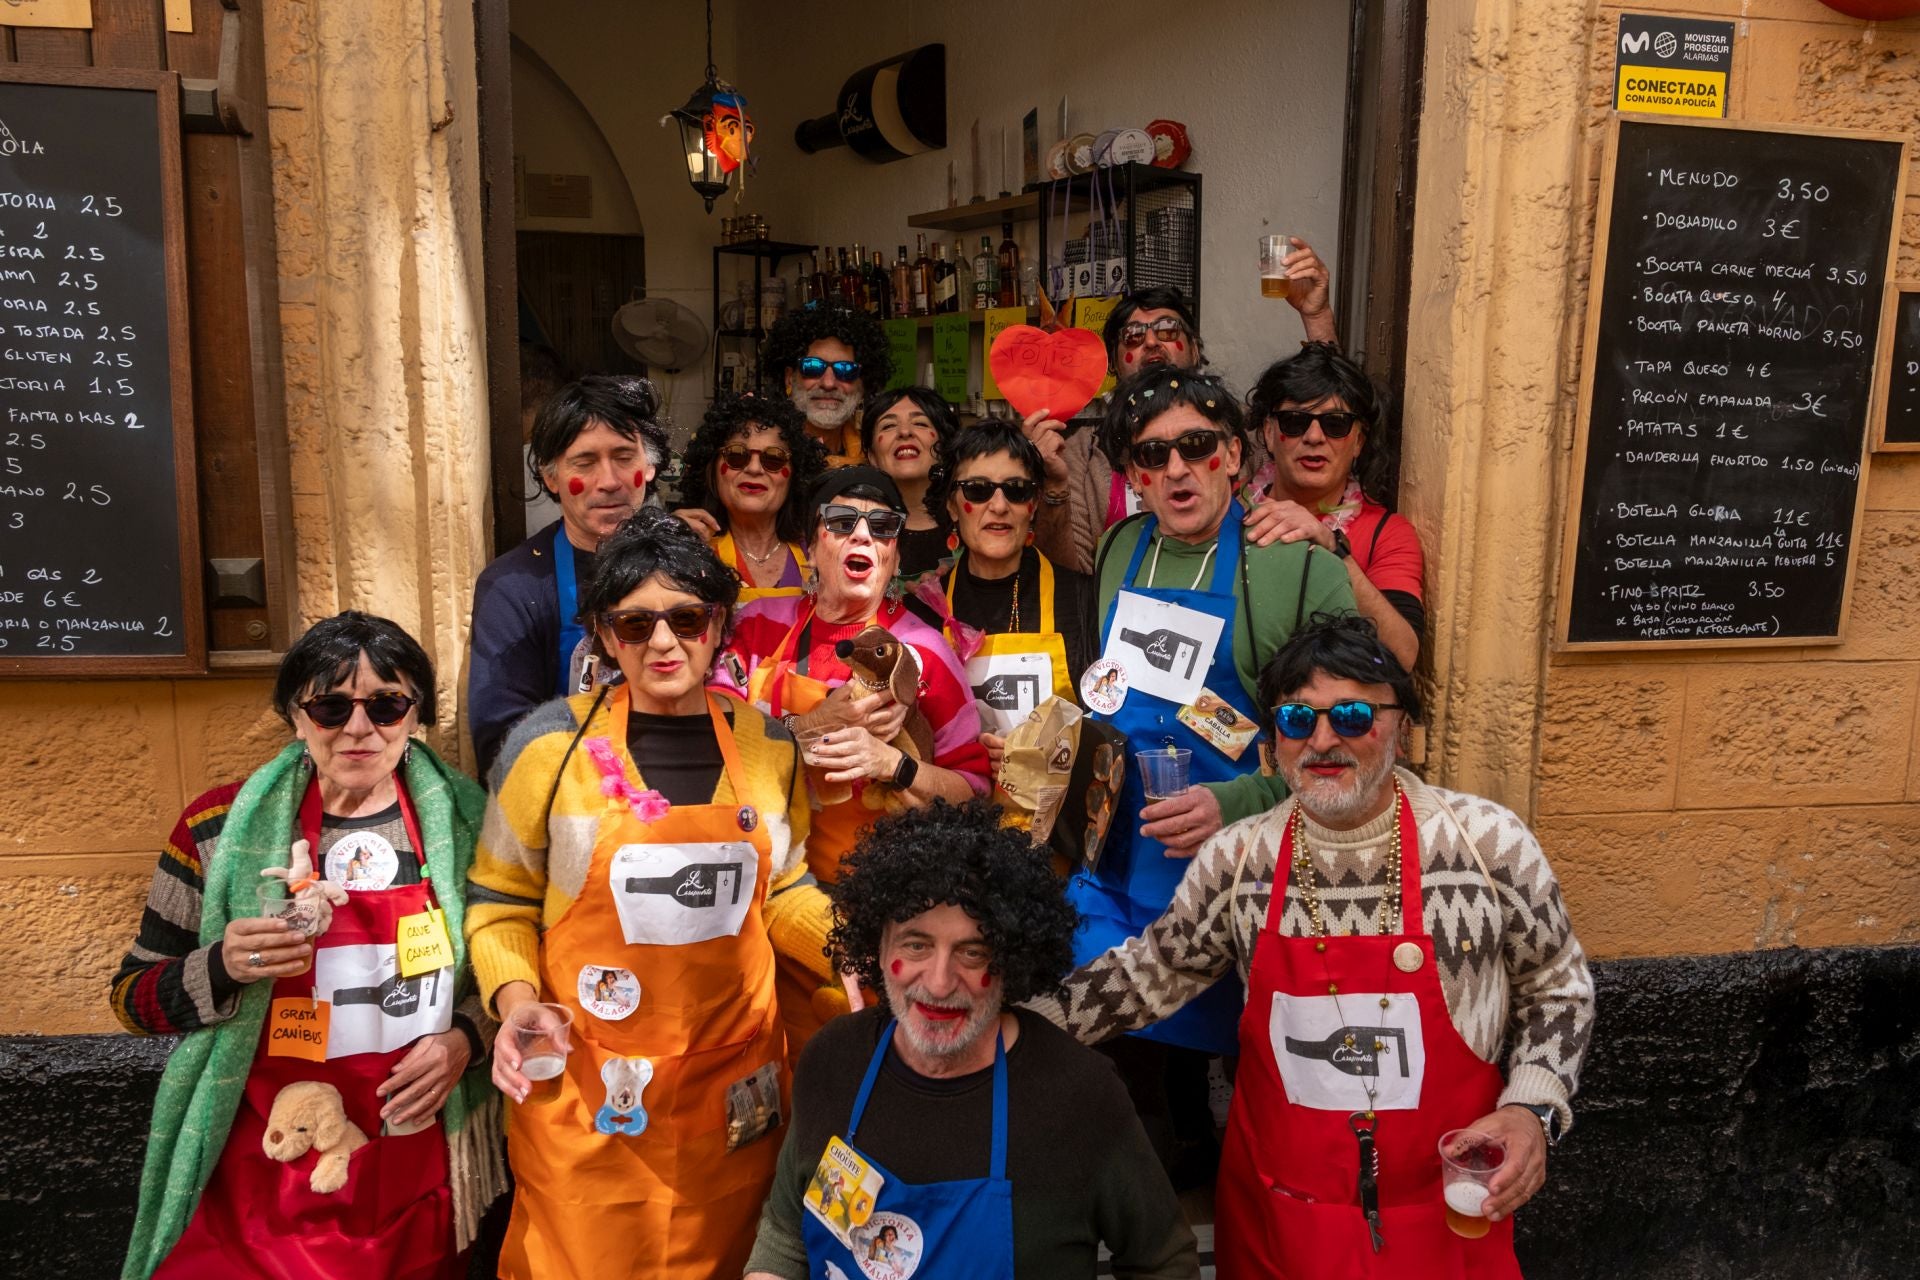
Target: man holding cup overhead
1190	613
1393	938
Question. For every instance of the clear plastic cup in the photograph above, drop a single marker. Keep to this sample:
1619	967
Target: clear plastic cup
1468	1161
543	1035
1163	771
1273	266
277	904
808	740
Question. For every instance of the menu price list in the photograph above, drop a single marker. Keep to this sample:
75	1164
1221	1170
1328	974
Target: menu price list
89	545
1732	380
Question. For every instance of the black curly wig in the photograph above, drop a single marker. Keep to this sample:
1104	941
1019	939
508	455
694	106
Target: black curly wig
652	542
911	862
795	331
737	415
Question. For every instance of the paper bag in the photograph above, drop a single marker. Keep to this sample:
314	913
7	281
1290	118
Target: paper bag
1037	763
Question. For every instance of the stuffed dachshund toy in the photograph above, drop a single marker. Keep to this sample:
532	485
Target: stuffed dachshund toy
309	1116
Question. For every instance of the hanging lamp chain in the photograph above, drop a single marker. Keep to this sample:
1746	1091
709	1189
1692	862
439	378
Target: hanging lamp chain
712	73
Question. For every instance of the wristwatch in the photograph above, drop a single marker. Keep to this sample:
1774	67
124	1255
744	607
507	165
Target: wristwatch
1341	547
906	771
1547	1116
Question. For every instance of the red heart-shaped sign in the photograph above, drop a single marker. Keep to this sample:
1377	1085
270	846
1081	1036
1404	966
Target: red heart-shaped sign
1057	371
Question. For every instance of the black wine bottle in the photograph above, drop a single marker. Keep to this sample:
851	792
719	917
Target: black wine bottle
1351	1049
397	997
888	111
1008	693
1165	649
699	884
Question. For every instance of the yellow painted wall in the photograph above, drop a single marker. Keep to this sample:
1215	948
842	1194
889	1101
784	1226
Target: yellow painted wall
1700	801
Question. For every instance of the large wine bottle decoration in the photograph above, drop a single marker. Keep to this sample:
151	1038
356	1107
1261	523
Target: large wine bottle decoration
891	110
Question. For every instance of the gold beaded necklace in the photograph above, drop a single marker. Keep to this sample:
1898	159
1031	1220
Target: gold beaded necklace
1307	877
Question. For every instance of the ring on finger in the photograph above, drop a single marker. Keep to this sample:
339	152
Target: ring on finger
256	960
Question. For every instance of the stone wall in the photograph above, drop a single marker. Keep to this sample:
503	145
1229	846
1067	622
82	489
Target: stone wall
1703	800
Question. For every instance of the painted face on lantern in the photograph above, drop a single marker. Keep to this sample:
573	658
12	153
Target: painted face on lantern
994	531
760	486
728	129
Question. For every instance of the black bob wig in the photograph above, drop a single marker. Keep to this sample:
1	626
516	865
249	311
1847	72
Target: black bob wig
651	542
1344	646
326	657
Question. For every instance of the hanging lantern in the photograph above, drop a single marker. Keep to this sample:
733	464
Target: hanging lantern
715	131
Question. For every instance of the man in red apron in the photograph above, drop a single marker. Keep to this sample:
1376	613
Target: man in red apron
1393	937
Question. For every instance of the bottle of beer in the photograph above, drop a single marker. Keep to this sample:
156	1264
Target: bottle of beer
824	288
986	276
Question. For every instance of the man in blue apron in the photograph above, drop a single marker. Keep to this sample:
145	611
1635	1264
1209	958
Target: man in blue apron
1190	614
919	1125
595	446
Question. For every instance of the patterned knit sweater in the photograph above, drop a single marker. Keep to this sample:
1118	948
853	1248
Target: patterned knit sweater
1513	975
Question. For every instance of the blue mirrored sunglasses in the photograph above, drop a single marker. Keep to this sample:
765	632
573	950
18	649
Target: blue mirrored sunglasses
1350	719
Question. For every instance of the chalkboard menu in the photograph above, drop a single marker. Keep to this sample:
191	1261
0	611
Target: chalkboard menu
1737	287
99	537
1899	421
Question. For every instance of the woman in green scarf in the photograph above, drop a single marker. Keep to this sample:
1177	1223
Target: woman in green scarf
327	1112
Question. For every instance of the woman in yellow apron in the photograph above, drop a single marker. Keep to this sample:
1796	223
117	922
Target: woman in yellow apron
624	873
750	467
1037	618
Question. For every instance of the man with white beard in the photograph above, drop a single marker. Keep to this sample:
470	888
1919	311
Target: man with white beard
1416	932
826	359
944	1133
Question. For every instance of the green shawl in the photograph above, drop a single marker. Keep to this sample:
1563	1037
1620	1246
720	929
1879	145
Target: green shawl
201	1088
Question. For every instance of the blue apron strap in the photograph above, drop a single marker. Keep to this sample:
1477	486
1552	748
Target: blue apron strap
999	1107
866	1085
567	587
1226	560
1148	528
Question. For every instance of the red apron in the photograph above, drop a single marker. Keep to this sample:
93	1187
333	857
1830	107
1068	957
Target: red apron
259	1218
1287	1199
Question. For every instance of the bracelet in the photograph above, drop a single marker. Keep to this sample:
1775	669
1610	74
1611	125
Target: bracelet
1053	499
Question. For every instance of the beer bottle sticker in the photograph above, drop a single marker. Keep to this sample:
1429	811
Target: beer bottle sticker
842	1191
297	1028
422	942
607	992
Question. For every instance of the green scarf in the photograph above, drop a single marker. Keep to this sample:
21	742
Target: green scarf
201	1089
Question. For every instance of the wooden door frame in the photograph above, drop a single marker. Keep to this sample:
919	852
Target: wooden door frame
493	39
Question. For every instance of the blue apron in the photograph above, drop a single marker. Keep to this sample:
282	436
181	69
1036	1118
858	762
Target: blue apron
567	587
940	1230
1135	879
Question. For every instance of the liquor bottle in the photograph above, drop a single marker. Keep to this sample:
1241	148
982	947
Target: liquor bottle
806	291
902	285
879	288
397	997
1354	1050
962	276
848	284
1009	267
859	258
697	884
922	280
1165	649
945	295
986	276
823	279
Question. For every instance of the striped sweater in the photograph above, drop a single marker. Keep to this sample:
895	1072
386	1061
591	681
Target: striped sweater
532	858
1512	973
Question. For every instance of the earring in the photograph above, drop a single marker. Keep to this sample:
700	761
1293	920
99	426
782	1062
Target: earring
406	756
1029	537
953	540
306	758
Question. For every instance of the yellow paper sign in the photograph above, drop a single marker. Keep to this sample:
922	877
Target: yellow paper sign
180	16
46	13
423	943
1092	313
997	318
297	1028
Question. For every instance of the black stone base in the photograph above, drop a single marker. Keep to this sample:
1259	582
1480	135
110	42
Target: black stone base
1745	1117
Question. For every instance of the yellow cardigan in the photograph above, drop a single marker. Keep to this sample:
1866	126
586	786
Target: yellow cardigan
530	863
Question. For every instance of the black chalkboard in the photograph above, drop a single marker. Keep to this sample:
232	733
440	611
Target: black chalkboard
1899	426
1738	282
99	536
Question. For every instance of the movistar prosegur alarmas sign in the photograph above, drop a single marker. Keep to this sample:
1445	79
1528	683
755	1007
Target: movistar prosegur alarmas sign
1673	66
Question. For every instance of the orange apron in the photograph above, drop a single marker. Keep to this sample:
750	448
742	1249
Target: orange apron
677	1047
729	553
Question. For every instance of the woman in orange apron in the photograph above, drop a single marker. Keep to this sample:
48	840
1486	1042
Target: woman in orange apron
1037	618
315	1122
624	876
749	468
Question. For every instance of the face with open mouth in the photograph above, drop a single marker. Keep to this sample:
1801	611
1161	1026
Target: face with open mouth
1311	468
995	531
359	754
940	985
1190	498
757	490
854	568
1341	782
906	444
665	672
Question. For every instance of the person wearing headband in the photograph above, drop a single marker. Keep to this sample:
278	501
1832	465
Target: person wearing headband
749	468
828	360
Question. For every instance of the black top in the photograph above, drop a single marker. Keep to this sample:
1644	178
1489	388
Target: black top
987	603
922	549
678	756
1081	1168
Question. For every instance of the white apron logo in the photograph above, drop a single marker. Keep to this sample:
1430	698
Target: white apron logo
671	894
363	860
1167	649
375	1010
1332	1049
607	993
888	1246
1007	686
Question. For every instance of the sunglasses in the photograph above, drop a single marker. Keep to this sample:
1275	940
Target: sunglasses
1195	446
1165	329
635	626
738	456
331	710
1350	719
815	367
882	525
979	489
1293	423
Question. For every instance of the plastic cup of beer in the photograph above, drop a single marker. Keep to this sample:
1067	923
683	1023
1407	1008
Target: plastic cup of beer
1163	771
543	1035
809	740
1273	266
1468	1161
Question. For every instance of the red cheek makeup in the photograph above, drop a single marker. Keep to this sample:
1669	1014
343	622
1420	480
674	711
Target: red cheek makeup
1213	463
896	966
576	486
639	479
